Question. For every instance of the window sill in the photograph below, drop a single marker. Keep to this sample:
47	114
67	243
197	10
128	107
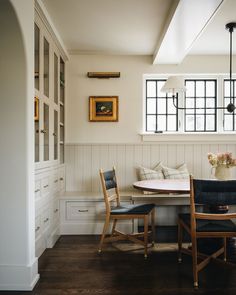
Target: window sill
229	137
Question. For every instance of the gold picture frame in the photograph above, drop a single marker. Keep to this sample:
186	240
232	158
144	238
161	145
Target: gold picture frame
103	109
36	108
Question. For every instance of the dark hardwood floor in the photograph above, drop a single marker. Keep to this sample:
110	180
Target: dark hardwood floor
74	267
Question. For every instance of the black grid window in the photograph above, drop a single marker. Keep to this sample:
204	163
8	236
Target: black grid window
200	98
229	118
161	115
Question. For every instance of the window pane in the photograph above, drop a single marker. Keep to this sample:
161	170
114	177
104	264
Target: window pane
228	124
161	123
189	104
151	89
171	123
200	122
159	86
161	106
190	89
151	106
189	123
200	103
151	123
210	103
200	88
210	88
210	123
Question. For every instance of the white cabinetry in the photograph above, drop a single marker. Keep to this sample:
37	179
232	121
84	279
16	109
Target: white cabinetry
49	124
49	184
84	213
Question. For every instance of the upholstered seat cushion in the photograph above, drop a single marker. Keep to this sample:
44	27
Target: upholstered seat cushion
132	209
210	225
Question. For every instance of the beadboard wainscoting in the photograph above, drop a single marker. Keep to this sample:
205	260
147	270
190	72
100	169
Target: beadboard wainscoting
83	161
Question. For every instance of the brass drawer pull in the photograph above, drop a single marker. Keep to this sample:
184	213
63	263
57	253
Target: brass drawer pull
55	181
45	185
61	178
37	228
43	131
54	134
46	220
83	210
37	190
56	210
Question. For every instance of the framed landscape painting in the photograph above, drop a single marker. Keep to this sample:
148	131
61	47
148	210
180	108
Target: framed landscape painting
103	108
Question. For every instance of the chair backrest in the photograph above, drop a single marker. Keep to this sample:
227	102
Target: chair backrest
110	188
214	192
211	192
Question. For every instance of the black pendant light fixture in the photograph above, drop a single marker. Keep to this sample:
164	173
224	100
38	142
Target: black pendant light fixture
175	84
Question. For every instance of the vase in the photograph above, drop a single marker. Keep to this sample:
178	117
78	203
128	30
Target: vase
222	172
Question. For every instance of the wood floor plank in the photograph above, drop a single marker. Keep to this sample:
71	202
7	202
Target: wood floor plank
73	266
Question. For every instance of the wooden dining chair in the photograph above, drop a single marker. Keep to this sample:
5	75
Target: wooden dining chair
207	225
116	211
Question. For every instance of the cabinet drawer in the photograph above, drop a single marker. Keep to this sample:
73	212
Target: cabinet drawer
45	186
45	219
62	179
37	189
55	210
55	183
81	210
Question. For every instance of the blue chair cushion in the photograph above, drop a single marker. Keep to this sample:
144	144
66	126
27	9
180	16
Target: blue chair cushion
132	209
204	225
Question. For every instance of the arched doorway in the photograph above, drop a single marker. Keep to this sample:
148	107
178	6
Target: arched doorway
18	266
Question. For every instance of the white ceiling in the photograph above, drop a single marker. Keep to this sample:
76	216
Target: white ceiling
135	26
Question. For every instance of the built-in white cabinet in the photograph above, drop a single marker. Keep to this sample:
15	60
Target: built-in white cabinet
49	119
49	124
49	185
84	213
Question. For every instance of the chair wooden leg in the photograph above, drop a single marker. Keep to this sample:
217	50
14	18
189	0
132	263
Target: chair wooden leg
105	227
180	240
145	235
194	257
114	226
225	249
153	226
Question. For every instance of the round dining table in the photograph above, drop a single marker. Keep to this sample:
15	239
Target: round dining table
167	186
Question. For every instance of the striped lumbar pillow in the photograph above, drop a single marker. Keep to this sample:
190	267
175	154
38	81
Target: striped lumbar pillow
180	172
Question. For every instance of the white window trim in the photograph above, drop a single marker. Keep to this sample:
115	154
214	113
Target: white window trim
184	137
181	136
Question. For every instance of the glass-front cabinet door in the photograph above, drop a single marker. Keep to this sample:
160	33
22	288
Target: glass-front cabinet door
36	56
62	111
55	135
56	78
45	132
46	67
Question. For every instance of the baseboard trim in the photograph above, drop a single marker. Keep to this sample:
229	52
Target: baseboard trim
19	277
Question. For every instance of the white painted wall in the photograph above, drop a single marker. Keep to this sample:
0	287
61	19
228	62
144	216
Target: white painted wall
18	266
129	88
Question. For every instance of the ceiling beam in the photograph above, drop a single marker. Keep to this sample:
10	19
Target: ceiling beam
187	21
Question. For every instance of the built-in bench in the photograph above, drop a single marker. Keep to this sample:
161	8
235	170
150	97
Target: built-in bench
84	212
